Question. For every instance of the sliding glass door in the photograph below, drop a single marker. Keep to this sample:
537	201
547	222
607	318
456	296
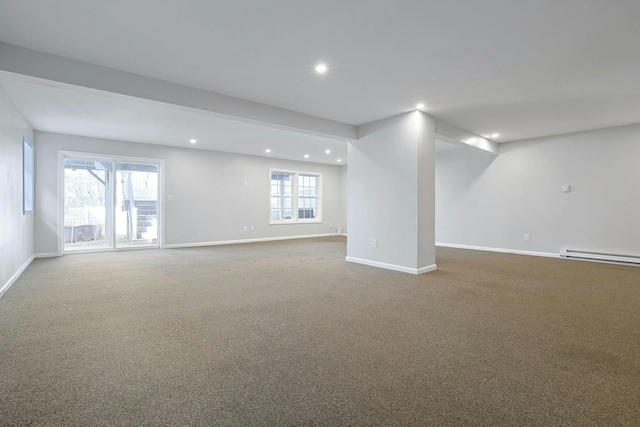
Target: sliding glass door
110	203
136	204
87	204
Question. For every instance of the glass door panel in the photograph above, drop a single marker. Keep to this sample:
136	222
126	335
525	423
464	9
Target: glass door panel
87	204
136	204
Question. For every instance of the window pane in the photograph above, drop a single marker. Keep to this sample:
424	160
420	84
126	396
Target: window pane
281	177
282	196
281	208
306	213
136	218
281	184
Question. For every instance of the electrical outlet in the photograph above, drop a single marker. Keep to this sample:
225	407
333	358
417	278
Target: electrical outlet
375	243
253	228
246	228
526	236
170	198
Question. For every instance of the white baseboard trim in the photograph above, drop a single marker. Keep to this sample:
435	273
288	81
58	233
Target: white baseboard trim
47	255
392	266
344	234
427	269
235	242
16	275
501	250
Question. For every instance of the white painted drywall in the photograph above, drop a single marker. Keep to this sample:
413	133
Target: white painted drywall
210	201
343	197
391	192
39	65
492	202
16	229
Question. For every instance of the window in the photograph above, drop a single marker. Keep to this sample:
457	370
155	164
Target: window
295	197
27	176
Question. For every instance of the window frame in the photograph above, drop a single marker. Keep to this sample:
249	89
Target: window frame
296	196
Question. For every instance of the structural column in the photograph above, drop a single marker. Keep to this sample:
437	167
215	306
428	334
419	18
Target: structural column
391	197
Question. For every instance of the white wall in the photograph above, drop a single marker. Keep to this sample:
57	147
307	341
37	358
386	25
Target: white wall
391	193
16	229
210	201
493	201
343	197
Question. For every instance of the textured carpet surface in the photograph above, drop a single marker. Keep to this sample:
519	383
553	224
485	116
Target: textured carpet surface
288	333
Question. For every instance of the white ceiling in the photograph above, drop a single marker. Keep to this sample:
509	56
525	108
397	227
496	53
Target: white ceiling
78	111
518	67
55	107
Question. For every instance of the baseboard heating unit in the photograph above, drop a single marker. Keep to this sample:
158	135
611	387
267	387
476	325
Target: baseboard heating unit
601	256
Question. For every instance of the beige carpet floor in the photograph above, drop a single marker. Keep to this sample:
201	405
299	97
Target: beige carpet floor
288	333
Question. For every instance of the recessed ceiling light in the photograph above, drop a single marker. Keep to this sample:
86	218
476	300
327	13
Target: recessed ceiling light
327	151
268	150
420	106
321	68
193	141
306	156
339	160
495	135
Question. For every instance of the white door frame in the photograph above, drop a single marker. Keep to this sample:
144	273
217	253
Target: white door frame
62	154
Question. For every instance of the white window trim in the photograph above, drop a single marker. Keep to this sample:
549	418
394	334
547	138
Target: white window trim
294	200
